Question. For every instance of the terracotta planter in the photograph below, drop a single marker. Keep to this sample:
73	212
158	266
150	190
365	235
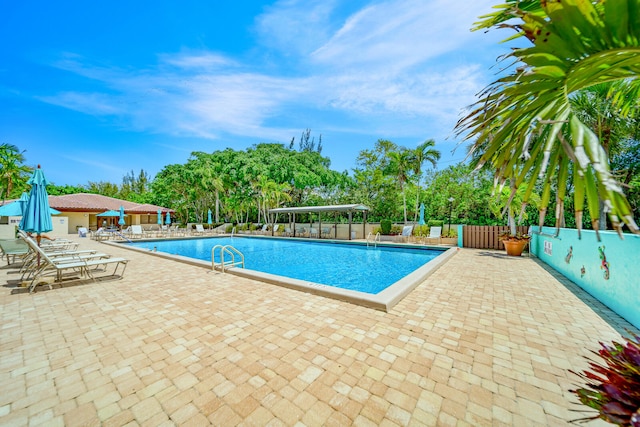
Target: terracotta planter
514	247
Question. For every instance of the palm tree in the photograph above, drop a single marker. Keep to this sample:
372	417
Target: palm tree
13	173
595	107
421	154
525	125
400	163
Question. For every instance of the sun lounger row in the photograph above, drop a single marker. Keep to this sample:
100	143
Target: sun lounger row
66	264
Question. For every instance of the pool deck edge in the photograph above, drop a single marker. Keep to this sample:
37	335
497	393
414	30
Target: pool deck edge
385	300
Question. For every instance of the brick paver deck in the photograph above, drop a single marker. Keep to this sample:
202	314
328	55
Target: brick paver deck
486	341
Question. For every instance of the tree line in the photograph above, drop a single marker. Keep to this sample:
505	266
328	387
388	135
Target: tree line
241	186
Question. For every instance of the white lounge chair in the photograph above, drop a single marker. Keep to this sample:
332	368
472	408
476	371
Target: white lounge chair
136	232
82	267
14	248
313	232
435	233
101	234
200	229
407	230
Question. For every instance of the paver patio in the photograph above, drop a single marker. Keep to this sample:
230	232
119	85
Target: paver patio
485	341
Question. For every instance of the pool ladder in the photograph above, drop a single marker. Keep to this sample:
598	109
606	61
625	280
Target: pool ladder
232	252
376	239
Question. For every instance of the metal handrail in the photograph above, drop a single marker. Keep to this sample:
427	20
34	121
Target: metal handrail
230	250
376	239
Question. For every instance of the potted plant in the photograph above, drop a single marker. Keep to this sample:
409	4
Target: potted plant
613	389
508	201
514	243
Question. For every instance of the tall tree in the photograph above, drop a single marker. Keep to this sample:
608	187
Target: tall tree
574	45
400	163
596	108
13	173
421	154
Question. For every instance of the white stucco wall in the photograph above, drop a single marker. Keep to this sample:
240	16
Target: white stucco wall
60	227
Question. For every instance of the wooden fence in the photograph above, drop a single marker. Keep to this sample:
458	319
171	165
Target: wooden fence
486	236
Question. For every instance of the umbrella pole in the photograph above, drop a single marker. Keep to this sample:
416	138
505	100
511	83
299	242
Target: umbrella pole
38	238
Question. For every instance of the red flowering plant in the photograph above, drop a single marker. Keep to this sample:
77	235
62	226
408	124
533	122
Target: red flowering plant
613	388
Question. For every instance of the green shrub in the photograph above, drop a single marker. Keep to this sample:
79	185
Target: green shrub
435	223
450	233
396	229
229	228
385	226
421	230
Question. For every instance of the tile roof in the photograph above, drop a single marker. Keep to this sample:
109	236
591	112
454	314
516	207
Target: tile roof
85	202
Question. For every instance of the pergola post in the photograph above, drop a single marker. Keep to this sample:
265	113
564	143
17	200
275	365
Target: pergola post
364	224
337	209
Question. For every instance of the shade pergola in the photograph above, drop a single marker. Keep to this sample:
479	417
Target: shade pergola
350	209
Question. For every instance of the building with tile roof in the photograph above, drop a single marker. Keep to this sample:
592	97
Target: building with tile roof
82	209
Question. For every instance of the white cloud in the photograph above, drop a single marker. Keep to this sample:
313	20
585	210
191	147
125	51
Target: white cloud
201	60
390	61
96	104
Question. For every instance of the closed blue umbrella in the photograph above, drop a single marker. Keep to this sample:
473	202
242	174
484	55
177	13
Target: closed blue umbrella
37	214
121	220
421	220
159	217
168	220
209	221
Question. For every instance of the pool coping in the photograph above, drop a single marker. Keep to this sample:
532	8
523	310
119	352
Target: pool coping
383	300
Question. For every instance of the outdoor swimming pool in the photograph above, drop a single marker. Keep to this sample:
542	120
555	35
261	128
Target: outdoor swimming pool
353	268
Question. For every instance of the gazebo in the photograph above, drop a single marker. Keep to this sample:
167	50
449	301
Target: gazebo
350	209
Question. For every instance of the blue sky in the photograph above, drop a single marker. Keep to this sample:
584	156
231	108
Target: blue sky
93	90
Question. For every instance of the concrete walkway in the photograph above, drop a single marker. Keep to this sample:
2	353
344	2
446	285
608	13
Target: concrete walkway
486	341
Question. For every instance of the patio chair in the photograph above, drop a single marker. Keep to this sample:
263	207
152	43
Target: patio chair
101	234
136	232
435	233
313	232
200	229
80	267
407	230
31	264
326	232
287	232
14	248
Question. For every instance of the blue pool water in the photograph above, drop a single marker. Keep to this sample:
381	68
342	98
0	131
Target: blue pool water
355	267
